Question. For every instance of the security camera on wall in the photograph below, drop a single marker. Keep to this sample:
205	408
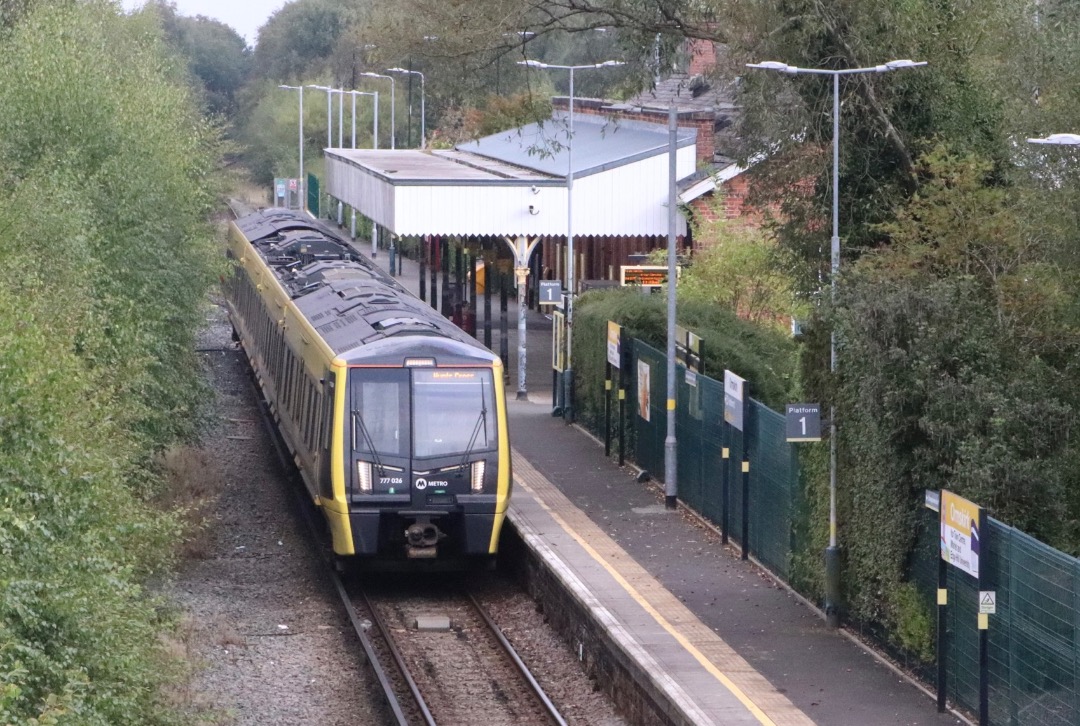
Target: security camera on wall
533	209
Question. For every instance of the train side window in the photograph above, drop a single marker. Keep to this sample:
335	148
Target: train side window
307	412
286	384
326	416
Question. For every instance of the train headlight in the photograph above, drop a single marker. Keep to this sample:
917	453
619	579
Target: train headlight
364	475
478	476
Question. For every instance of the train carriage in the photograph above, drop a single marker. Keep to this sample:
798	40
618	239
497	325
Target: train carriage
395	417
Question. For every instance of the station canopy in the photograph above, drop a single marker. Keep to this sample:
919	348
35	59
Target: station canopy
514	183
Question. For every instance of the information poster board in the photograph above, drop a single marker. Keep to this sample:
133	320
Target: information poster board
613	352
733	399
961	522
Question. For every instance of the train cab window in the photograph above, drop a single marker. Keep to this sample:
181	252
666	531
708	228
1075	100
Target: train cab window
380	408
454	411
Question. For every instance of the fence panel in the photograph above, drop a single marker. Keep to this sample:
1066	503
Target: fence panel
649	412
774	477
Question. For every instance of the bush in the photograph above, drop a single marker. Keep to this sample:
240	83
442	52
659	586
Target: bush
762	356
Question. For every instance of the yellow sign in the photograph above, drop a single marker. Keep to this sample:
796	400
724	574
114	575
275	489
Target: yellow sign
558	338
613	352
961	522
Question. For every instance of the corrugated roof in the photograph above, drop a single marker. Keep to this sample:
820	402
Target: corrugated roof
406	167
599	144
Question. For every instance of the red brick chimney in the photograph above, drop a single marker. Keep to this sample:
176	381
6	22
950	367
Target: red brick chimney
702	57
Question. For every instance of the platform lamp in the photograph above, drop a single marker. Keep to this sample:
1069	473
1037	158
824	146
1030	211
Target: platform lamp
832	552
423	128
568	371
393	128
300	180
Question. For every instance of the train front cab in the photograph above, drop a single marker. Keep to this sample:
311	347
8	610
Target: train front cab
428	464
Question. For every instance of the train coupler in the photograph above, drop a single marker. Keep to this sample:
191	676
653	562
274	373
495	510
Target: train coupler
422	540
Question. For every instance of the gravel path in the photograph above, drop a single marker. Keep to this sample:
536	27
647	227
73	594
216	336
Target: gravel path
266	631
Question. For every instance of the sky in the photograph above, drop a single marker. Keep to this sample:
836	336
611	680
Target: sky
244	16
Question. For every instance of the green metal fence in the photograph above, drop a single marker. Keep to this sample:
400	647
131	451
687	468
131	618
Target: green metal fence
313	194
701	437
1034	638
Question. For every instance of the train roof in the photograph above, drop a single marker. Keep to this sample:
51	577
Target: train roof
363	314
273	220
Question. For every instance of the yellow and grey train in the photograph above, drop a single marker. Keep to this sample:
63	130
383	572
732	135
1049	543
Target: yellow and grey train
395	417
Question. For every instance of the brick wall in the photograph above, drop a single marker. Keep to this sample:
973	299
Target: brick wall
734	193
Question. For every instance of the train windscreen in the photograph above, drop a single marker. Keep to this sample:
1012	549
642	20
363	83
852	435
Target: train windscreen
381	412
454	411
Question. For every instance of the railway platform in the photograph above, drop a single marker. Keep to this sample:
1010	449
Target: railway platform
717	639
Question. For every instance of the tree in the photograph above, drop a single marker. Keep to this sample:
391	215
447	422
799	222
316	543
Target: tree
214	55
108	169
298	40
958	347
735	267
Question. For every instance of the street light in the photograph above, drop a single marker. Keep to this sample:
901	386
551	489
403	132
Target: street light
300	179
375	117
329	112
393	130
832	552
374	145
568	371
423	129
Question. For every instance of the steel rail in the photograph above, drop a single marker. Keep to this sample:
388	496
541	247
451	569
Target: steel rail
399	661
537	690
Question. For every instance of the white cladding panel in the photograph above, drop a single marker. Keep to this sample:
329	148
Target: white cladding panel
480	210
362	191
630	200
626	200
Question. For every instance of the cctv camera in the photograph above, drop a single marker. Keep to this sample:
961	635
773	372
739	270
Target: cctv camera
533	209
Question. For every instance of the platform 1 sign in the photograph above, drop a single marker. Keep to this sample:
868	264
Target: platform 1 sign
961	524
803	422
551	292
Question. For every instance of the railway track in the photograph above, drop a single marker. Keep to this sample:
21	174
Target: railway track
467	673
459	674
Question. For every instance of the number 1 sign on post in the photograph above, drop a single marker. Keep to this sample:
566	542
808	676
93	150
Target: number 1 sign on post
803	422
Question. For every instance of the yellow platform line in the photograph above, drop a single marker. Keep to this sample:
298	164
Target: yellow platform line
786	712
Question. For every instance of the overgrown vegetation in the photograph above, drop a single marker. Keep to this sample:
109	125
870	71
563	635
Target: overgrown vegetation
108	171
763	355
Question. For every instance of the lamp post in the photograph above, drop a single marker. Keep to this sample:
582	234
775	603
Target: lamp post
423	128
832	552
329	113
375	117
374	143
300	179
393	132
568	371
393	129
